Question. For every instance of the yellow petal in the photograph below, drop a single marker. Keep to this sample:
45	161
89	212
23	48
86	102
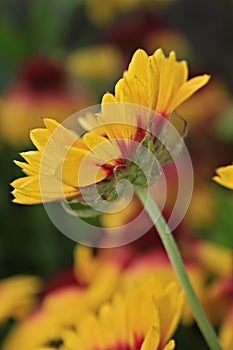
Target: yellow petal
225	176
82	172
172	75
108	98
40	137
101	147
138	64
186	91
157	82
151	341
172	300
170	345
28	190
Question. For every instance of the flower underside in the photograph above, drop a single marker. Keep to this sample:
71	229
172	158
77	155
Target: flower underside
126	140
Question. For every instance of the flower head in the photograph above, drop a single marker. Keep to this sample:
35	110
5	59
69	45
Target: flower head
41	82
62	308
121	142
145	319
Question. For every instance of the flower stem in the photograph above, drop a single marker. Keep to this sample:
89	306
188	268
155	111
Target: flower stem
177	263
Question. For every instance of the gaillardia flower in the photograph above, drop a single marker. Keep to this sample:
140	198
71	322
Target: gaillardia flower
121	141
95	282
144	319
41	82
224	176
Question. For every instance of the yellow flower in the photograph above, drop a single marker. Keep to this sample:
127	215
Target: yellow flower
157	264
17	296
111	149
144	319
224	176
64	307
157	82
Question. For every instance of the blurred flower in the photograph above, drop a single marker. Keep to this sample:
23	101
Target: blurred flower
155	82
40	90
62	308
145	318
17	296
97	63
59	309
224	176
102	15
119	274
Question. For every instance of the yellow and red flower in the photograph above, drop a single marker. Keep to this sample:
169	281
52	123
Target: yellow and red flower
144	319
94	283
154	82
41	82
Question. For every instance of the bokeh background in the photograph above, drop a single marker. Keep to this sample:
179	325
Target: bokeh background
57	57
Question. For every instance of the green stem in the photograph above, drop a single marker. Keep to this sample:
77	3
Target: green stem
177	263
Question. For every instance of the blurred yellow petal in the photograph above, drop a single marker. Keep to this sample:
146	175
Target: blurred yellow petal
17	296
